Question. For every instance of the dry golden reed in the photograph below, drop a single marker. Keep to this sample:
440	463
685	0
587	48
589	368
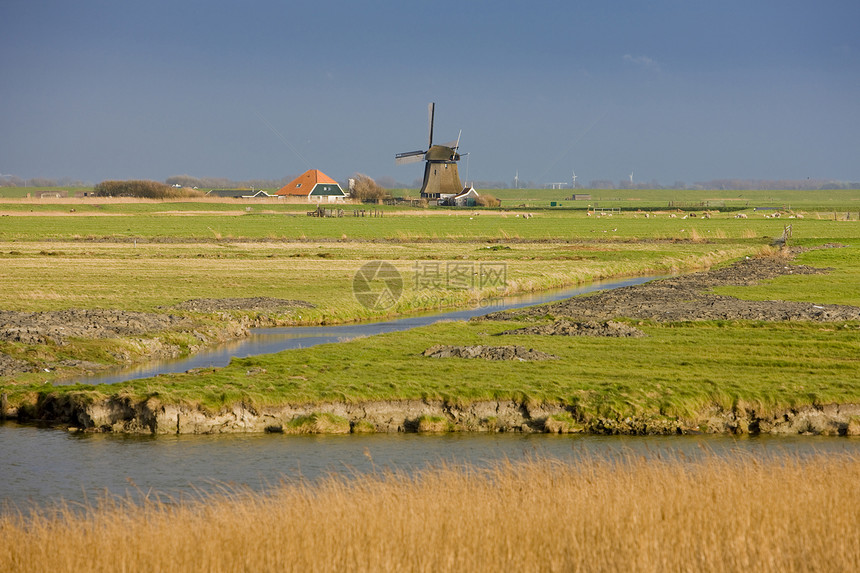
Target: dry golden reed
710	514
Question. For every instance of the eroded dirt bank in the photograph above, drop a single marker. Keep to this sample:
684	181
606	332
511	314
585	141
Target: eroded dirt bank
145	329
118	414
685	298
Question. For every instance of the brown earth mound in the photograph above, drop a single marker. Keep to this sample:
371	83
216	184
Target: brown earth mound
9	365
261	303
610	329
40	327
685	298
488	352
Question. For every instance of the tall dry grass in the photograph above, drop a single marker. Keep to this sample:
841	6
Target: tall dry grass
711	514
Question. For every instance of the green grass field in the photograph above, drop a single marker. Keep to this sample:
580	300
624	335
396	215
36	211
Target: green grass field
152	255
765	366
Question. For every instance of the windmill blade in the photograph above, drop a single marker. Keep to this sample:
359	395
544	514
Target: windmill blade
456	143
431	111
408	157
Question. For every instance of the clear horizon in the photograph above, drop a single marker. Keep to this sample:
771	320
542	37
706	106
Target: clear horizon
671	91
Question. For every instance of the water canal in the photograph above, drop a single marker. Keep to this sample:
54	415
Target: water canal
42	465
269	340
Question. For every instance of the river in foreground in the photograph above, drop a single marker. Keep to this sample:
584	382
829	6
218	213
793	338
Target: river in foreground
43	465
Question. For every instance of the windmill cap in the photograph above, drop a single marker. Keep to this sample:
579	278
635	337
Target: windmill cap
441	153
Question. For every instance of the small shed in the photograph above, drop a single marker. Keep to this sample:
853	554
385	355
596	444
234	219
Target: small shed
468	197
315	186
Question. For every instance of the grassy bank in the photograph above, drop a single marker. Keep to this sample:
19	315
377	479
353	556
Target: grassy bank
149	277
678	370
764	367
147	260
714	514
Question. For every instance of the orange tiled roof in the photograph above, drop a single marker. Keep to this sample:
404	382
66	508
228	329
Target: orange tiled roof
304	183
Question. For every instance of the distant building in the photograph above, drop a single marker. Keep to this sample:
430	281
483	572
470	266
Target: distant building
237	193
314	185
468	197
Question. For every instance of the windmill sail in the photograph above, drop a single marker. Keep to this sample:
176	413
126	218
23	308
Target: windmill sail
408	157
431	111
455	143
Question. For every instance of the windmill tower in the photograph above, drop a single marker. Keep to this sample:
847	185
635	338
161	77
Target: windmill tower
574	180
440	167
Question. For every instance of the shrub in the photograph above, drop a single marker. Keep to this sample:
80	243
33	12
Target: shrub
365	188
143	189
487	200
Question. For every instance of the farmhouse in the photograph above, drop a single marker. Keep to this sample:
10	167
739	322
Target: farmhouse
313	185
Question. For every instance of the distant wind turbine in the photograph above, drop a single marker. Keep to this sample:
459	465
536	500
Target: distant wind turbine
517	180
574	177
631	176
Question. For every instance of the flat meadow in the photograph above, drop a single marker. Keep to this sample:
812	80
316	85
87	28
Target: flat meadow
710	512
150	256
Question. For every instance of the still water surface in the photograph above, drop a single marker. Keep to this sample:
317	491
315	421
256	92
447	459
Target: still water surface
41	465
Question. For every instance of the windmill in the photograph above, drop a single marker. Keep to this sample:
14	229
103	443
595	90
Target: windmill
574	179
440	168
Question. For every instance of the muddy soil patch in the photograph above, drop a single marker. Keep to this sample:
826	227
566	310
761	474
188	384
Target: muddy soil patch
260	303
609	329
685	298
520	353
56	326
10	366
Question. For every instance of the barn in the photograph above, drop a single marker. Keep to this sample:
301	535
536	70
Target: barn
314	185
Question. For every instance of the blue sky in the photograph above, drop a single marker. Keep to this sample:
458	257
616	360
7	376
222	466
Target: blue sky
673	90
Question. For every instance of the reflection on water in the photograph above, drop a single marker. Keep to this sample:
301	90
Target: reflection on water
42	465
269	340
